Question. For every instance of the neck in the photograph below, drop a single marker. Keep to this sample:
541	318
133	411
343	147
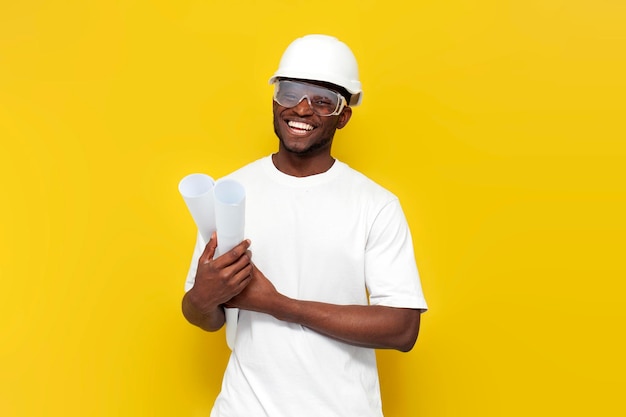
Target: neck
301	166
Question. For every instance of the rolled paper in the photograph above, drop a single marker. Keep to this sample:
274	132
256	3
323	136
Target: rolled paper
230	210
197	191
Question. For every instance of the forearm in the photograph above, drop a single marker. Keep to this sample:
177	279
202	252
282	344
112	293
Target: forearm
377	327
209	318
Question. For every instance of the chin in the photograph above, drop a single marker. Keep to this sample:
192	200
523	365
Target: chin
295	150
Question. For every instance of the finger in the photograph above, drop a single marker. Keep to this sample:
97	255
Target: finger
243	275
241	264
234	255
241	285
209	249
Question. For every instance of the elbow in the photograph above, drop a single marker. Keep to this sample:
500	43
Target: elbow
407	346
209	322
407	343
410	331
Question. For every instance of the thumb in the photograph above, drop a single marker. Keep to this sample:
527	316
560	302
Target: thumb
209	249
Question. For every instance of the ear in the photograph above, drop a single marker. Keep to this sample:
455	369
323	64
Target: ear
344	117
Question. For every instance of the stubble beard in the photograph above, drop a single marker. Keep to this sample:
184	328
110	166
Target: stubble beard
312	149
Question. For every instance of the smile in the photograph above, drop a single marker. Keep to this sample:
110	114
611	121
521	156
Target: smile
300	126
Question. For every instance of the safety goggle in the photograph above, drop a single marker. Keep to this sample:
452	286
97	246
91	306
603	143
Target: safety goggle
323	102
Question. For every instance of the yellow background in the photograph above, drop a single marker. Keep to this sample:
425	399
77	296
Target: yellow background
499	124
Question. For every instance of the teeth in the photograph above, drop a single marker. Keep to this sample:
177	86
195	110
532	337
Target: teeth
300	125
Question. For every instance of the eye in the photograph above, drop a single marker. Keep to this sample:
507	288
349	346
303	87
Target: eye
289	96
322	101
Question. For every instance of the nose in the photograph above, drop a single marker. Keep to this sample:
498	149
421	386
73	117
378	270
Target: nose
303	107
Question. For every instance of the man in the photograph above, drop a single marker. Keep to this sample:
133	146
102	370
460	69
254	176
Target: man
327	273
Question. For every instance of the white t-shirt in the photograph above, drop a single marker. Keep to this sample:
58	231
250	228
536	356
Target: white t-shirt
334	237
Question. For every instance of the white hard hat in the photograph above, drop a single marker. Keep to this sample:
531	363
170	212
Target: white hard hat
321	58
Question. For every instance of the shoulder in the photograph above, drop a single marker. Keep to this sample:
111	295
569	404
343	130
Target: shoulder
249	171
364	185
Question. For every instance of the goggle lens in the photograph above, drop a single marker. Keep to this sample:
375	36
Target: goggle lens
322	101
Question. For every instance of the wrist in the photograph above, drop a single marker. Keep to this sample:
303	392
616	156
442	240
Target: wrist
284	308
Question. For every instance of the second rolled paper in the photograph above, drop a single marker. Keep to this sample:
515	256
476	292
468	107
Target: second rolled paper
230	211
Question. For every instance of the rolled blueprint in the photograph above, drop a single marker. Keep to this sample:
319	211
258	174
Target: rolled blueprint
230	210
197	191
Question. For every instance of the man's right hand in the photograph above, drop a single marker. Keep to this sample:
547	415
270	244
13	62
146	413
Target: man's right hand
217	281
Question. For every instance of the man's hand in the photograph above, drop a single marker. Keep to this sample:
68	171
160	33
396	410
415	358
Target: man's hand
217	281
259	295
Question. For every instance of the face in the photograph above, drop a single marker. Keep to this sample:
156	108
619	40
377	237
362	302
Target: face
302	132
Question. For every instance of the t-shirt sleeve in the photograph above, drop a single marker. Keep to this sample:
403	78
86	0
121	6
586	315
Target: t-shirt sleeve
193	267
391	273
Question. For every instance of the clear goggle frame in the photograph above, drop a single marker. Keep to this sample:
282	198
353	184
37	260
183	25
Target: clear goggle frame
323	101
